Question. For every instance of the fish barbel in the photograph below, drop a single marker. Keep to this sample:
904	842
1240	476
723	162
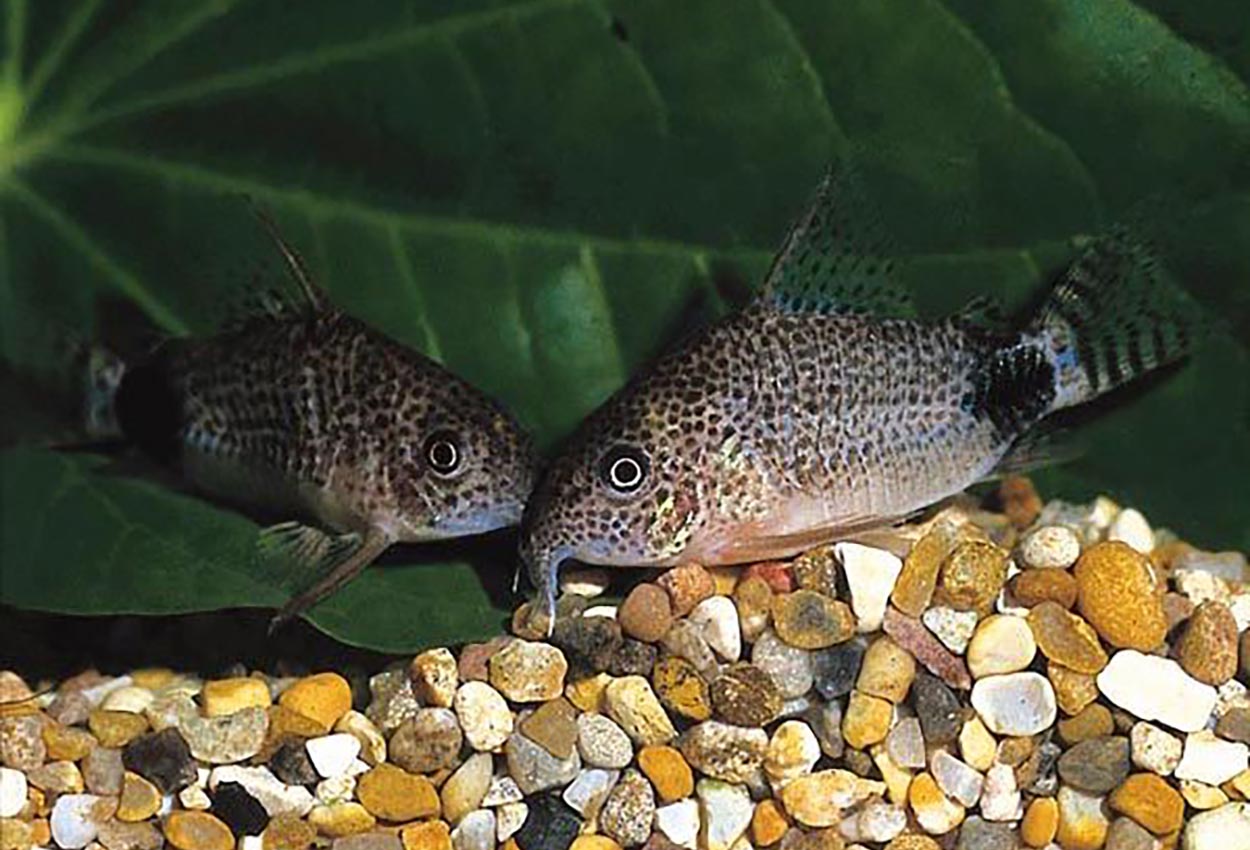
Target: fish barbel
308	413
808	415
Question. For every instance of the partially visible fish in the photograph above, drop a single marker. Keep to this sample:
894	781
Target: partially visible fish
309	413
807	416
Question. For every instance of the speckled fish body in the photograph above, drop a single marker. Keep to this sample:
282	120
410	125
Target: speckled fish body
795	422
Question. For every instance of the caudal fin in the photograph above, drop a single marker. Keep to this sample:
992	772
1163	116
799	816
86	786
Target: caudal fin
1114	316
102	373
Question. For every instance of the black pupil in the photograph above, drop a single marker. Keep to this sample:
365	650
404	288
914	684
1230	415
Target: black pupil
623	469
625	472
442	454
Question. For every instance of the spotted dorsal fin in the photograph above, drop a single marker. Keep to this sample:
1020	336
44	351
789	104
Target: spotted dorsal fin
835	259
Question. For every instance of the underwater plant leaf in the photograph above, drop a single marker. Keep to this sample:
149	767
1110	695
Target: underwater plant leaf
541	194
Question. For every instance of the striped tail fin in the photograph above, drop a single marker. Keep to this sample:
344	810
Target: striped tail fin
1114	316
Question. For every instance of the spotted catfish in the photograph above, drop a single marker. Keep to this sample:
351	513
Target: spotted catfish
821	409
308	413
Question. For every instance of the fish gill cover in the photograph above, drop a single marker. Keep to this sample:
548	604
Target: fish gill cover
539	194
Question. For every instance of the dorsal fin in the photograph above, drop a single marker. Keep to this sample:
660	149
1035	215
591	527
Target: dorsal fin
315	299
835	259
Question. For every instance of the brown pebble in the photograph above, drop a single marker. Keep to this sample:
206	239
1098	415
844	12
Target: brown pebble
913	590
911	635
189	830
553	726
1019	500
776	574
745	695
1032	587
1177	608
817	570
646	613
1208	648
288	832
1073	690
681	689
1093	721
809	620
1148	799
687	586
1117	595
474	663
972	576
1065	638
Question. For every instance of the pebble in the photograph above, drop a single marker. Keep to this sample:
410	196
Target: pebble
287	832
528	671
341	819
221	697
887	670
76	818
753	599
956	779
1093	721
1015	704
1001	644
291	764
646	614
1066	639
1149	801
934	811
372	744
21	742
194	797
102	771
976	745
953	628
920	642
818	799
239	810
67	743
1097	765
792	668
629	811
1201	796
465	789
1073	691
633	658
553	726
589	791
484	716
503	789
535	769
1225	828
474	663
939	710
681	689
509	818
978	833
116	728
913	589
877	822
1050	547
435	677
197	831
1040	823
551	825
745	695
972	576
870	574
1130	527
322	697
332	755
1173	698
603	743
632	703
1000	796
1116	595
590	642
1207	650
679	822
826	722
1033	587
836	669
116	835
340	789
718	618
867	720
475	832
1210	760
1083	821
428	741
685	640
668	772
792	752
277	797
12	792
808	620
222	740
57	777
726	811
163	758
1234	724
725	752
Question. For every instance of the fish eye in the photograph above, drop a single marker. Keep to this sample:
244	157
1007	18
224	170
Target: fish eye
624	468
442	452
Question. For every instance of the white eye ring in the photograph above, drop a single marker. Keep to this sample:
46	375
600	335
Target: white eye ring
626	473
442	454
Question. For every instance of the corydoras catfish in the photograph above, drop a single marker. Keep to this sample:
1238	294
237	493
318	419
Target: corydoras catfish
307	413
816	412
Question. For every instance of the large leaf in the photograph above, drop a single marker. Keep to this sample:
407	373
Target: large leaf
541	193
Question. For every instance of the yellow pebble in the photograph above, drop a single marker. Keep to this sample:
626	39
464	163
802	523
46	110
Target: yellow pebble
323	697
287	832
394	794
725	579
116	728
226	696
587	694
197	831
67	743
594	842
140	799
341	819
152	678
1040	822
431	835
668	771
768	823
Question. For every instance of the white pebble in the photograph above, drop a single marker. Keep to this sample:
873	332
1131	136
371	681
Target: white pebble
587	583
718	619
1200	586
953	628
1153	749
509	818
73	822
475	832
1239	605
332	755
1001	644
726	810
1211	760
1225	828
193	797
870	574
590	789
502	791
792	752
679	822
877	822
1016	704
484	715
251	842
1050	547
608	611
1155	688
339	789
128	698
276	797
1000	799
12	792
956	779
1130	527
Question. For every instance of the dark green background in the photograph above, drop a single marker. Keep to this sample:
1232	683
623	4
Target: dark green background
541	193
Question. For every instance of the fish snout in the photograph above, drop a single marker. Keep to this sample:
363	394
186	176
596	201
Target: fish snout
542	566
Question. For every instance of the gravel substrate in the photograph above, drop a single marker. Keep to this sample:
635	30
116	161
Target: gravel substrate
1058	675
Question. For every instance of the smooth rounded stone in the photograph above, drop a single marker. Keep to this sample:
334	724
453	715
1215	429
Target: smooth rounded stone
913	589
428	741
1040	822
826	722
633	658
1097	765
956	779
629	811
21	742
1207	650
753	599
1073	691
718	619
905	743
1116	594
503	789
646	613
116	835
509	818
602	743
375	840
867	720
1033	587
972	576
808	620
953	628
1151	802
475	832
102	771
818	799
726	811
372	744
1000	796
587	693
528	671
474	662
163	758
239	810
116	728
679	822
876	822
725	752
1171	696
745	695
535	769
668	772
70	708
836	669
435	677
589	642
1066	639
430	835
1234	724
681	689
194	798
1039	774
632	703
57	777
67	743
1208	759
588	582
76	819
1202	797
222	740
197	831
911	634
870	575
340	789
1154	749
1093	721
551	825
332	755
323	697
587	793
1015	703
277	797
685	640
977	746
1225	828
1126	834
13	787
936	813
1050	547
940	713
1130	527
1198	585
687	586
792	668
1083	821
465	789
887	670
981	834
792	752
483	715
221	697
1001	644
553	726
392	700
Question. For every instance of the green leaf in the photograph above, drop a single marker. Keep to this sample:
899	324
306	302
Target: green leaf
542	193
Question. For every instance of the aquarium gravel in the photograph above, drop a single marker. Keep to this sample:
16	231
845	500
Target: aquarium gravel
1027	676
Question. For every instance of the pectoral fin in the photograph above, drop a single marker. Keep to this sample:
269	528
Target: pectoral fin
333	559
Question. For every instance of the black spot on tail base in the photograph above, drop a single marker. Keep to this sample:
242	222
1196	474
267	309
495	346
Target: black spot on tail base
1012	387
149	410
